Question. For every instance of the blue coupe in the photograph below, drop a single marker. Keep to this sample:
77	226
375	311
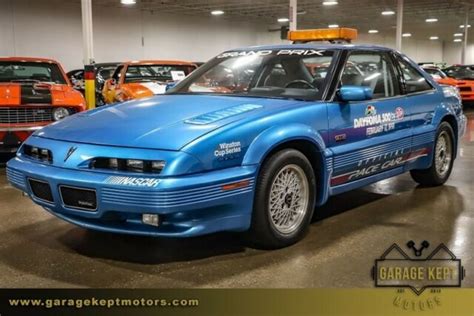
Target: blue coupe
254	140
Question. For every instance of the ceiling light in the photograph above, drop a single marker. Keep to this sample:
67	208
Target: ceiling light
333	26
406	34
434	38
431	20
127	2
457	40
388	12
217	12
283	20
373	31
457	34
329	2
462	26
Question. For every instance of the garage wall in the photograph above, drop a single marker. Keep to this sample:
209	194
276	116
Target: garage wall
27	28
452	52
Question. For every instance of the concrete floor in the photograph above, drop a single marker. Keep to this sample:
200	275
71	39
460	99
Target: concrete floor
346	236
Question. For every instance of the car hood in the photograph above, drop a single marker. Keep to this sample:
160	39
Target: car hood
16	94
166	122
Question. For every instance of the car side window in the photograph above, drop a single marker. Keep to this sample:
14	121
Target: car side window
374	70
414	80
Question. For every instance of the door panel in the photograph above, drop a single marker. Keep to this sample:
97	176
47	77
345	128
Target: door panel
369	137
421	100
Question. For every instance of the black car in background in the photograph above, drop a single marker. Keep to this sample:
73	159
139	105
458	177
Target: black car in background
103	71
460	72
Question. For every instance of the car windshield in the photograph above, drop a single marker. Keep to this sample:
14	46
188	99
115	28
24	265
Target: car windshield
165	73
280	73
15	71
465	72
435	73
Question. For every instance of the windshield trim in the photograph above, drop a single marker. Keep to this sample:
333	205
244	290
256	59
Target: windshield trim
322	95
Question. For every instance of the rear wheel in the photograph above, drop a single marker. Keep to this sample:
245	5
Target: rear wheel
443	158
284	200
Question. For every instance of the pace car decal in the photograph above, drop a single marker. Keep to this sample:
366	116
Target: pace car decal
373	165
288	52
378	123
133	182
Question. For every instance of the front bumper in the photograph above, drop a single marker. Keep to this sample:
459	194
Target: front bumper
187	205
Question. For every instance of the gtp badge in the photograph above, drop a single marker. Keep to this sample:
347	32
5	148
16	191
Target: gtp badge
70	152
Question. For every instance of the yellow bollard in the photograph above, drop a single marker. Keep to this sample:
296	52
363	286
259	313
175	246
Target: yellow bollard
89	85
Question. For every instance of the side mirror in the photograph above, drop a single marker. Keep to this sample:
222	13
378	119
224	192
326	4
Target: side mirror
355	93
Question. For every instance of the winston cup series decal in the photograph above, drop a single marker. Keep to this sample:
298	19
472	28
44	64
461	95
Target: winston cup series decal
378	123
226	151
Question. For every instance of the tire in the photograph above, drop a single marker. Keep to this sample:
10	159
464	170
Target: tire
287	166
443	159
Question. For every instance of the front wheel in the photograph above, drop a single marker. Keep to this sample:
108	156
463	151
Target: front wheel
443	158
284	200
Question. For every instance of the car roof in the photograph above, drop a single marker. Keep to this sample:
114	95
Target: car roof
158	62
29	59
316	46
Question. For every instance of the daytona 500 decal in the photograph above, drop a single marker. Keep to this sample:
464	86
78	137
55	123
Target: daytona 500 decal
378	123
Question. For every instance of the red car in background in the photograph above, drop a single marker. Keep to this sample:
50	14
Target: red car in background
461	77
34	92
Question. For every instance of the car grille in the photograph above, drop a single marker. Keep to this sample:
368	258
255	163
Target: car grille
26	115
41	190
78	198
465	89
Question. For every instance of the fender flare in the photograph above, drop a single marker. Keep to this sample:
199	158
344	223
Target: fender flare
274	136
441	112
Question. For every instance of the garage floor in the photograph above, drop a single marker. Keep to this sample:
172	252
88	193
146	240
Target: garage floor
347	235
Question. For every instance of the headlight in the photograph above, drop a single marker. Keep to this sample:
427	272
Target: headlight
131	165
60	113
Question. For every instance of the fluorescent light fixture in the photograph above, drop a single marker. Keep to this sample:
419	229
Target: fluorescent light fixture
434	38
388	12
330	2
333	26
431	20
457	40
128	2
373	31
217	12
462	26
406	34
458	34
283	20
